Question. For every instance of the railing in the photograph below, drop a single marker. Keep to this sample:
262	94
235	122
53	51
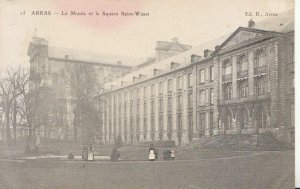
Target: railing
227	77
242	74
249	98
260	70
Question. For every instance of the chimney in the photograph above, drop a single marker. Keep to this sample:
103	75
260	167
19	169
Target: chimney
207	53
216	47
174	65
251	23
67	57
119	62
141	76
134	78
195	58
156	71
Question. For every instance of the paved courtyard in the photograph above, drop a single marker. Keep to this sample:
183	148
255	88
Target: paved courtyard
260	169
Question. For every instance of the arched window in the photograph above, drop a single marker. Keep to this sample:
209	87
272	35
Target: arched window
260	61
243	63
261	117
227	120
242	119
227	68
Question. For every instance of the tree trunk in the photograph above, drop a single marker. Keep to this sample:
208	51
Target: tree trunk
15	122
27	148
7	129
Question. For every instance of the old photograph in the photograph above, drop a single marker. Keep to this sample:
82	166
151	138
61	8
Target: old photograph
128	94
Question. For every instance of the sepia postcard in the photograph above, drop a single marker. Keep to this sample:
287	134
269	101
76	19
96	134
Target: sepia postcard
141	94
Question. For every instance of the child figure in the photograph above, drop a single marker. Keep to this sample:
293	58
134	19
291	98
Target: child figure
172	154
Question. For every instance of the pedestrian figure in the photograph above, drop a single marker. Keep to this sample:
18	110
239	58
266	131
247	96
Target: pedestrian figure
172	151
115	154
151	152
91	154
85	152
70	156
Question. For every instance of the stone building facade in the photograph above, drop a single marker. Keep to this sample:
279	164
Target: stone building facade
50	66
239	84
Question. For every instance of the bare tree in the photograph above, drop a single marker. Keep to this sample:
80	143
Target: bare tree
83	82
9	91
35	107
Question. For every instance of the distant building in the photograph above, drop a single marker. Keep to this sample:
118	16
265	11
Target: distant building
51	66
239	84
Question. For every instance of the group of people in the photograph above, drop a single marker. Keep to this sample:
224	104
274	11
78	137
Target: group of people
88	154
168	154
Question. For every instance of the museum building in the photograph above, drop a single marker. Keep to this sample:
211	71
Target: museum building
242	83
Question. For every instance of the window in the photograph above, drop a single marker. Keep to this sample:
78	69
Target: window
161	105
211	122
138	93
125	97
131	109
145	129
179	123
152	107
179	103
131	95
259	58
170	85
161	88
153	89
170	103
138	109
190	127
202	76
120	98
161	123
190	100
115	100
179	82
125	109
227	91
242	63
207	94
145	92
137	124
227	67
145	108
211	96
202	121
170	124
201	97
211	73
190	119
243	89
190	79
260	86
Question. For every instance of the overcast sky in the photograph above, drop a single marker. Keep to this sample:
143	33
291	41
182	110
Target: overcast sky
192	21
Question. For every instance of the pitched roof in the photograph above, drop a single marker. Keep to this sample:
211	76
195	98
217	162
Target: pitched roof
183	59
90	56
281	23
